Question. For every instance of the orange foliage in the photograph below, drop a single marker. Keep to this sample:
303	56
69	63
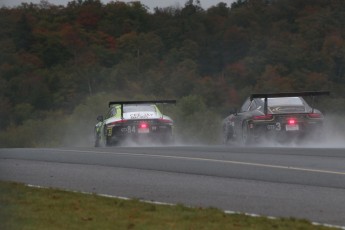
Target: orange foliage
71	37
316	80
105	40
232	97
26	58
88	19
272	81
238	68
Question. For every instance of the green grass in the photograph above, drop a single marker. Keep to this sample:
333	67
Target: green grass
25	207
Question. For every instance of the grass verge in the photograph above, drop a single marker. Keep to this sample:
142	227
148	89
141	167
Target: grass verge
23	207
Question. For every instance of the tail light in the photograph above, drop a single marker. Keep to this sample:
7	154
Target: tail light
263	117
314	115
292	121
166	121
143	125
117	122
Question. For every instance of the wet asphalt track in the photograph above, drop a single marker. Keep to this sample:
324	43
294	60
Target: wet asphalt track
281	182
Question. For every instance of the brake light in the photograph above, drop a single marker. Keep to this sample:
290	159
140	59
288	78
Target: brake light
143	125
263	117
292	121
314	115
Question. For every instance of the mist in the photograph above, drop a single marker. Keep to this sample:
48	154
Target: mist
333	136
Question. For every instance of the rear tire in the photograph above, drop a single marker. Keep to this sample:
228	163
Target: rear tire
225	136
101	141
97	143
246	135
97	139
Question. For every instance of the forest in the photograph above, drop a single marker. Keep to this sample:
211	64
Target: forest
60	65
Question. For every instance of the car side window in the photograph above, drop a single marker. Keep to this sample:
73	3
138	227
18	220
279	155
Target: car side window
111	112
259	104
245	106
108	114
253	106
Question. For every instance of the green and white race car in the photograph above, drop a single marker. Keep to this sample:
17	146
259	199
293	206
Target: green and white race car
135	121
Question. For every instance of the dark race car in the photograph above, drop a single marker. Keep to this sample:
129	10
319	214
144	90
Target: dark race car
135	121
282	117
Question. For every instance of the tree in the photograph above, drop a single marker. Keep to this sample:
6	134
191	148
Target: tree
90	14
23	36
72	38
333	50
272	81
5	112
50	49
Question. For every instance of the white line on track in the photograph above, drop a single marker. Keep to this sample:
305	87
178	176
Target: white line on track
212	160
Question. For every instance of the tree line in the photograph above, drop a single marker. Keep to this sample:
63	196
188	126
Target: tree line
53	58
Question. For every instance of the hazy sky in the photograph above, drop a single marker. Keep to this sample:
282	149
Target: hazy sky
149	3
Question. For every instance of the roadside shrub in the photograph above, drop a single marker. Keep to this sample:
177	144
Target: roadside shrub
35	133
195	123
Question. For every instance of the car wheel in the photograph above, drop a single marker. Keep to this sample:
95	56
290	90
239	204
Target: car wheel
97	139
97	143
107	142
101	140
107	139
100	143
225	136
246	136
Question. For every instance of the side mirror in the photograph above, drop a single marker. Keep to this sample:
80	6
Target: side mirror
100	118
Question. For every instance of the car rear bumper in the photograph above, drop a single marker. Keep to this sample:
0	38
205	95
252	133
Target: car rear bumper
132	131
285	132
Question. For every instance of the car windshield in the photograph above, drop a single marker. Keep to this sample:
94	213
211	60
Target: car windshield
138	108
279	101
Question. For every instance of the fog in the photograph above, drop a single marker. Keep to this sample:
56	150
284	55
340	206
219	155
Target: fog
334	133
333	136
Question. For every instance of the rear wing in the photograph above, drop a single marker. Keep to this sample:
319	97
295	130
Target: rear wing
288	94
121	103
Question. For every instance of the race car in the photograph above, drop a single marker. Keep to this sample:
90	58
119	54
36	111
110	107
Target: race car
282	117
135	121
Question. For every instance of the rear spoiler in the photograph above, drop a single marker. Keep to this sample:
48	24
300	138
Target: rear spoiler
121	103
288	94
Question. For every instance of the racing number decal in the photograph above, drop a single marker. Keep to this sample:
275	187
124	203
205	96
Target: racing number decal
278	126
131	129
